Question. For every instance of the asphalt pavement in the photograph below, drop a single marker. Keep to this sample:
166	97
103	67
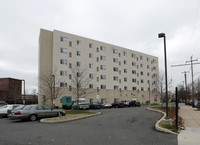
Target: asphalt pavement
120	126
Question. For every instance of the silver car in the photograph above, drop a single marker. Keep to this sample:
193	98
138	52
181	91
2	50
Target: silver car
33	112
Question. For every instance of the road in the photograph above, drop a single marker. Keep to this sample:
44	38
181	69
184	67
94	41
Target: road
120	126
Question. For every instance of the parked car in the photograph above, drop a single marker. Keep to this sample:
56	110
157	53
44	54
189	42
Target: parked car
2	103
118	105
81	103
4	110
134	103
95	106
20	107
126	103
34	112
106	105
195	104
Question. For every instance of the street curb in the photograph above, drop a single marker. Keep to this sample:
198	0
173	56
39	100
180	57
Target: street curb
157	127
68	120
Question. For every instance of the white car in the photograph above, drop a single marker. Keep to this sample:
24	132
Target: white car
4	110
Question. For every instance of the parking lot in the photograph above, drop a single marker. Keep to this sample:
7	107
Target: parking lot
120	126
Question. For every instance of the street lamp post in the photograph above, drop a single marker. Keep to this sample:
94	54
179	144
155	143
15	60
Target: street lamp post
24	93
53	76
149	93
162	35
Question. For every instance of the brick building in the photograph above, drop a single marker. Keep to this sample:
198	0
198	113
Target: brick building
11	90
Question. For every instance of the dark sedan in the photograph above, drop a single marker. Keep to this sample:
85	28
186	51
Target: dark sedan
118	105
33	112
134	103
95	106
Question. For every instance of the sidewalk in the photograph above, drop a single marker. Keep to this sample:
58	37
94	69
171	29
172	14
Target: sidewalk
191	118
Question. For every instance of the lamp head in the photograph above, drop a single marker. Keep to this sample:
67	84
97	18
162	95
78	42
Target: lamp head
160	35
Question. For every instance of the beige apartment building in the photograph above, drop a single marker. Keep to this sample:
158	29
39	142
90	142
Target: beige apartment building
117	73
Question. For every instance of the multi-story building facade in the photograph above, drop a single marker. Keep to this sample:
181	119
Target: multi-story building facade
11	90
117	73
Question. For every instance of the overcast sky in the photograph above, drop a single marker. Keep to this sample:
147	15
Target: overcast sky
132	24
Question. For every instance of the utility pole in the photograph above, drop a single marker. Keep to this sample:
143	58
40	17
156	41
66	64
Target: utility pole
185	74
191	60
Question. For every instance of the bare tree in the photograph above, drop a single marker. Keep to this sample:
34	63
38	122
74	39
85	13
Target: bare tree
49	87
80	82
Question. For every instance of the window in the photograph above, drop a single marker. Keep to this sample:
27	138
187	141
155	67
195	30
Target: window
78	53
97	59
91	76
97	49
115	51
142	89
119	54
63	50
125	87
125	62
125	70
103	58
78	63
133	71
63	73
141	65
115	78
147	66
141	57
90	55
63	61
78	42
134	80
148	74
70	76
147	59
70	43
103	86
97	69
115	69
103	67
70	54
78	74
70	65
90	65
142	81
116	87
141	73
63	39
70	88
120	72
97	79
133	63
103	77
115	60
102	48
125	53
90	45
125	79
120	63
134	88
63	85
133	55
91	86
